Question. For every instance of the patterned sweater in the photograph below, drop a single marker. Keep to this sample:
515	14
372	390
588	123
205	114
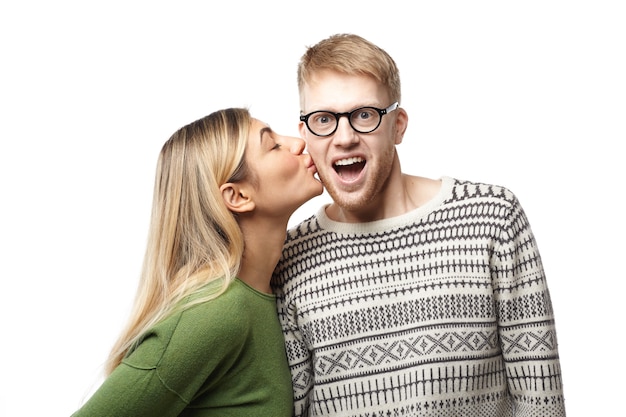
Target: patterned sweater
442	311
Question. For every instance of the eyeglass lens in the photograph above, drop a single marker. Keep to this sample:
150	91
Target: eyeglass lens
362	120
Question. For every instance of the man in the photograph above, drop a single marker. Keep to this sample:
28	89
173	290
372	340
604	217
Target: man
406	296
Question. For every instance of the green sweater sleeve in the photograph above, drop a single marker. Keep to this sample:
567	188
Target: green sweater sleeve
135	392
220	358
186	353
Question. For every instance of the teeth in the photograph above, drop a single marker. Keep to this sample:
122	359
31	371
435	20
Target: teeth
349	161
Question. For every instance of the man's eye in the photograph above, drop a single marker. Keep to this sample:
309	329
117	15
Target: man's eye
365	114
322	119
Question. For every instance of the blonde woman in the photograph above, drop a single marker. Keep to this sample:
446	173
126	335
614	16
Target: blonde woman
203	338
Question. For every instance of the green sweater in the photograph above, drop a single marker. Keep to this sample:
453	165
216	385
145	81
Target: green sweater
225	357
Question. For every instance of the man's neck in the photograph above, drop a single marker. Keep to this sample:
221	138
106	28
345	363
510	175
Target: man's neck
409	193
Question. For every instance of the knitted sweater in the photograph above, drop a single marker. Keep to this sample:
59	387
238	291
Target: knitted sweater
223	358
442	311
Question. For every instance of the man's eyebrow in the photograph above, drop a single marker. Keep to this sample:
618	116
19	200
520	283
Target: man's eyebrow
263	131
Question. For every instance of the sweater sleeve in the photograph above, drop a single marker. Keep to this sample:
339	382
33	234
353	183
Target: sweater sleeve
527	332
132	392
190	350
298	355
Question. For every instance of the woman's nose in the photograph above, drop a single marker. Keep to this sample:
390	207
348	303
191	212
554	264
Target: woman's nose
297	146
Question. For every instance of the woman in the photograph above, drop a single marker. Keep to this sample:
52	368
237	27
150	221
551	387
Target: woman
203	338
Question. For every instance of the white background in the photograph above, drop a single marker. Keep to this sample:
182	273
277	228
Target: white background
530	95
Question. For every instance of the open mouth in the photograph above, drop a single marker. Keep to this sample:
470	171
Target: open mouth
349	169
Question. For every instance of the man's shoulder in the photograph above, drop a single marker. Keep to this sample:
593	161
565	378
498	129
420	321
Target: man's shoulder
469	190
305	228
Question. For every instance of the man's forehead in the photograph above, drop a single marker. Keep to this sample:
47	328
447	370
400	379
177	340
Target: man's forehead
331	90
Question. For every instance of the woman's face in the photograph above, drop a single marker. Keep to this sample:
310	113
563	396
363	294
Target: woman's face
285	176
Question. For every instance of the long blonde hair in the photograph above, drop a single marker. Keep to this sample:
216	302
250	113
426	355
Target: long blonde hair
193	238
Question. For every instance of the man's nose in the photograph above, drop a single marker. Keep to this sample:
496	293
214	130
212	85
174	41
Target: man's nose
345	135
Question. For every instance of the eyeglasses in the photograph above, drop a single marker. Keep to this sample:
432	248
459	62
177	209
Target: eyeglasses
363	120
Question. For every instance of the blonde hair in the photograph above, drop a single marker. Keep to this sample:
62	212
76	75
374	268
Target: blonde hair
193	238
350	54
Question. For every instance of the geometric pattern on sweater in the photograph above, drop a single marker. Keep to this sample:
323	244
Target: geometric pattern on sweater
443	311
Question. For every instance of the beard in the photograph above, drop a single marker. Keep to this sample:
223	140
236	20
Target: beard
372	190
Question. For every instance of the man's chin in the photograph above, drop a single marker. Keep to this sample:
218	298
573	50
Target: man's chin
349	201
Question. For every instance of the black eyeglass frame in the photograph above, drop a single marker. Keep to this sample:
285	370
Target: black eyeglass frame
305	118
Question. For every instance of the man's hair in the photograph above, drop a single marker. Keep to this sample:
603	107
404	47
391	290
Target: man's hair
352	55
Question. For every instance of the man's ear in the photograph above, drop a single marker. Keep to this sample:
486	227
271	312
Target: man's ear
302	129
237	197
402	121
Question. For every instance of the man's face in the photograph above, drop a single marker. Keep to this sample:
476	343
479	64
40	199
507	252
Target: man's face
353	166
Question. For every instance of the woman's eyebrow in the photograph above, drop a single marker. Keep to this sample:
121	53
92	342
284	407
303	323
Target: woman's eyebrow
262	133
